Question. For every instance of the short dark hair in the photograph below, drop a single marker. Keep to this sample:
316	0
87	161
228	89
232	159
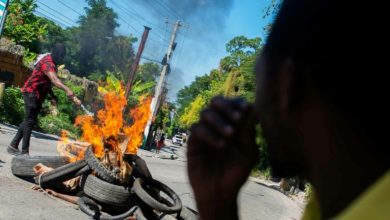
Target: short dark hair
58	52
334	43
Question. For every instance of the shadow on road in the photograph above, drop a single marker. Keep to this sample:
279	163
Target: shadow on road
44	136
11	129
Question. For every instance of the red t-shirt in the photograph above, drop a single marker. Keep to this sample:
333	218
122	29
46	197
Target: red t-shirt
39	83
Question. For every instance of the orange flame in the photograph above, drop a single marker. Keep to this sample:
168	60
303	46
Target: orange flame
140	116
71	149
109	123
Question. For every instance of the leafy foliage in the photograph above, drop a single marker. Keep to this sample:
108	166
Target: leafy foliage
54	124
93	47
191	113
12	107
93	50
148	72
22	26
234	79
29	57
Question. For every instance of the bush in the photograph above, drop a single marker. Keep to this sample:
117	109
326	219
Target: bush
64	105
55	124
308	190
12	107
67	113
23	26
267	173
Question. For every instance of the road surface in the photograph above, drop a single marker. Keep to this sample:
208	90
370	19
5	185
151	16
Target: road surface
19	201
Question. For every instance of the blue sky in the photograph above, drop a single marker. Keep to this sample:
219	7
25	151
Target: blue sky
209	25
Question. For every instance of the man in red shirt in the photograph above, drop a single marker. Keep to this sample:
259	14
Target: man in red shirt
35	89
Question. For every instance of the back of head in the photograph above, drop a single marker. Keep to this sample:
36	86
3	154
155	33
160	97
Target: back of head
58	52
336	45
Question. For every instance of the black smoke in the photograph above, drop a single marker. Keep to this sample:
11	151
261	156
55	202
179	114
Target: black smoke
204	24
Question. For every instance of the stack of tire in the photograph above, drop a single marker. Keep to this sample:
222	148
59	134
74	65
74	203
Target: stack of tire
102	190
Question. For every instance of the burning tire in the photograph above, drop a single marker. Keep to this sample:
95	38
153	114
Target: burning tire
100	170
107	193
154	203
140	169
63	173
23	166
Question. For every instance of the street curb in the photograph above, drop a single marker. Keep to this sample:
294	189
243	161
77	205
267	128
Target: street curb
268	185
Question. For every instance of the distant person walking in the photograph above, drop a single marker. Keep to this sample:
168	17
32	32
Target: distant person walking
160	143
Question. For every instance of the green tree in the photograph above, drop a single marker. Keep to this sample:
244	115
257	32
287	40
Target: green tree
93	47
188	94
235	79
22	26
272	8
239	48
96	30
163	117
148	72
55	34
192	112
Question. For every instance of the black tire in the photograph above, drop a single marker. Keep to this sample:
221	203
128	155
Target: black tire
89	207
23	165
140	169
188	214
100	170
63	173
152	202
107	193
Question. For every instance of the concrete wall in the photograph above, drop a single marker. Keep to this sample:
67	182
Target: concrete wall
12	70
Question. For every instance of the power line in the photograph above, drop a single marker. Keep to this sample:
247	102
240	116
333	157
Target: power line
156	4
151	59
129	25
155	8
57	12
52	19
130	12
122	9
164	5
56	17
64	4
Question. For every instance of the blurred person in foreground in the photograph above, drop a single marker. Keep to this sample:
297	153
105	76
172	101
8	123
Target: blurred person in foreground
321	103
35	89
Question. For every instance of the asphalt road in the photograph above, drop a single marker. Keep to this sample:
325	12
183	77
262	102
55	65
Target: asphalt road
19	201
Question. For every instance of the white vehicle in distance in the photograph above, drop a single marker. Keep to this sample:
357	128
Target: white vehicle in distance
178	139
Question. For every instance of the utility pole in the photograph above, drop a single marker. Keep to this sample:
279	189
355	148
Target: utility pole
134	67
3	14
154	106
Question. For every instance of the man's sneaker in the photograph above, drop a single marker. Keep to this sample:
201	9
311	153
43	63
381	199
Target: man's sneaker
25	152
13	151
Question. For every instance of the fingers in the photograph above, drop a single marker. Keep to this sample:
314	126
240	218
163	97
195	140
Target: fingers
233	109
202	136
217	122
225	121
227	116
